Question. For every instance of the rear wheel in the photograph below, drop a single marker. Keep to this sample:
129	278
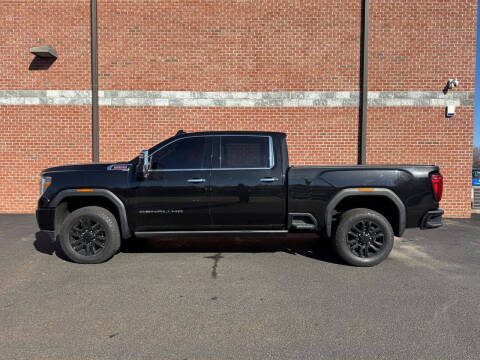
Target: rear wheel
90	235
364	237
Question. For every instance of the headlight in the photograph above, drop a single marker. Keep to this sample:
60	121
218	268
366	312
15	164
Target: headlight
45	182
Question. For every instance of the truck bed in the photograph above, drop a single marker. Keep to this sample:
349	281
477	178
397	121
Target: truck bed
311	188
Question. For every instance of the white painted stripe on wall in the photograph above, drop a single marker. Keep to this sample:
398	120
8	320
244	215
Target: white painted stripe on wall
236	99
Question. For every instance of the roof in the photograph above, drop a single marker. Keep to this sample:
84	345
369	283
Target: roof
180	134
266	133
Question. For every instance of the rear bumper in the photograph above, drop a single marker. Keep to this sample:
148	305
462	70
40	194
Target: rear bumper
432	219
46	218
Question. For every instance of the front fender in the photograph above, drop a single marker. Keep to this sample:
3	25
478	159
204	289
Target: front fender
124	228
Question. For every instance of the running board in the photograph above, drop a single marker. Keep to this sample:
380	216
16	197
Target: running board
146	234
302	222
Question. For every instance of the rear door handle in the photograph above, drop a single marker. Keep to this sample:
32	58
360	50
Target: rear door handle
269	179
196	180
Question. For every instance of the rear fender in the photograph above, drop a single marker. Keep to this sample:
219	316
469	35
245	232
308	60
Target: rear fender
365	192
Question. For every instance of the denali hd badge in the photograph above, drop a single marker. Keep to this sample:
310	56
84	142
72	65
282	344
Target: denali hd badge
161	211
120	167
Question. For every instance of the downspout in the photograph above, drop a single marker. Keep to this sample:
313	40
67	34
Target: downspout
364	81
94	53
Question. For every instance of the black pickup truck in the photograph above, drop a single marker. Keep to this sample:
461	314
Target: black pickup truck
234	183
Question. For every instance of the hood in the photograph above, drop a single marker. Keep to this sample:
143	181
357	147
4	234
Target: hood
106	176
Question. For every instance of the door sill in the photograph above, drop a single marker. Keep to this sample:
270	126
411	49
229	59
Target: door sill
145	234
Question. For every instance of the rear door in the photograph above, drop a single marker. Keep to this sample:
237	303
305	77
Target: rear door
247	183
175	195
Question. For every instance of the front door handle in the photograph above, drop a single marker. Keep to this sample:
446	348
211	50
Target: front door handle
269	179
196	180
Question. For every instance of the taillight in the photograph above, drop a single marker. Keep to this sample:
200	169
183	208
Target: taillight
437	184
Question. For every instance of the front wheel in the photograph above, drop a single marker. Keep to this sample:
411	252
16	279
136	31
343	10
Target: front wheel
90	235
364	237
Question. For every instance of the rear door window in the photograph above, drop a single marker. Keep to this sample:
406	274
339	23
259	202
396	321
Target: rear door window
244	152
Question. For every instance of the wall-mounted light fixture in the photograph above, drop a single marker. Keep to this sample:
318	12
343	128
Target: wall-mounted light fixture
45	56
45	51
450	111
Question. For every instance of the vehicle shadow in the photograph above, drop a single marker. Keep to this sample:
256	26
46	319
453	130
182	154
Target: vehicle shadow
45	245
308	245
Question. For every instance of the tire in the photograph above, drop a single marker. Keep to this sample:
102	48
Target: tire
363	238
85	231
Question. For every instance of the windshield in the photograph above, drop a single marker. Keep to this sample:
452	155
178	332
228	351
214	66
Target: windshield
152	149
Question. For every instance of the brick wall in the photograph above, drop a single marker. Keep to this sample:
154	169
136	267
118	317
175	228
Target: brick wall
256	45
425	136
418	45
314	135
63	24
239	46
34	138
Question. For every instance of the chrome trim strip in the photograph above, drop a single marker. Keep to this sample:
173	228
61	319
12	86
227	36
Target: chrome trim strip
269	179
271	157
271	154
196	180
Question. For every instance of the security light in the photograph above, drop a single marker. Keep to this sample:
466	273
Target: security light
44	51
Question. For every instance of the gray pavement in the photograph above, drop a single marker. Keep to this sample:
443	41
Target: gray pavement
267	298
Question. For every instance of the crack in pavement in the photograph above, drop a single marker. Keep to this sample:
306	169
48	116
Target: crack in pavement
215	258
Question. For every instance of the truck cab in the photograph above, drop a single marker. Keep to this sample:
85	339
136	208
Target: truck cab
222	181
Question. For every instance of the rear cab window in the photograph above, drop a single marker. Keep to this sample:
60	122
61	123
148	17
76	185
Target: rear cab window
246	152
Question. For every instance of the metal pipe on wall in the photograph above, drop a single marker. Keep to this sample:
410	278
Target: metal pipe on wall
94	61
364	81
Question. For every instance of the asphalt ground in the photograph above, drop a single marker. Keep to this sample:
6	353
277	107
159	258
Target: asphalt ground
241	298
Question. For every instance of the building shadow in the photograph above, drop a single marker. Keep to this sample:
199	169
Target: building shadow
41	63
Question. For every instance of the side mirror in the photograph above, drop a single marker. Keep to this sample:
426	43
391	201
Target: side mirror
143	167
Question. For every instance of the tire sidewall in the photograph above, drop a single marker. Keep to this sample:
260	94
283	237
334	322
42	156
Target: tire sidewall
349	219
109	223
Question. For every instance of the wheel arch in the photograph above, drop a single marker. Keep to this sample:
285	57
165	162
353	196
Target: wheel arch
350	193
106	195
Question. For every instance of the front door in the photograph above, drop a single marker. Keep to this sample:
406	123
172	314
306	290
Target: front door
175	195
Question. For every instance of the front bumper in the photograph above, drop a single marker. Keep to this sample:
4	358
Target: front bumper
432	219
46	218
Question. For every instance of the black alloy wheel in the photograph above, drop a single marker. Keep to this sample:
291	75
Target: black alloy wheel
87	236
366	238
90	235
